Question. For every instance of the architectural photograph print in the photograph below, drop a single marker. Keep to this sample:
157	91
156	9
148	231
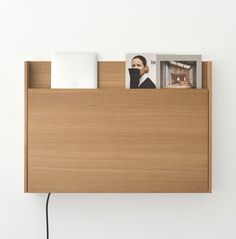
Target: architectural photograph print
179	71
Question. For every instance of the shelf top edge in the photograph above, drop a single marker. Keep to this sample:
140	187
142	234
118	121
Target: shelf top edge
117	90
105	61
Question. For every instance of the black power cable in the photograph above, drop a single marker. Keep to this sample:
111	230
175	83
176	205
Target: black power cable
47	215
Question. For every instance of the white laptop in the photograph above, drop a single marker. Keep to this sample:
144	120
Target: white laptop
73	70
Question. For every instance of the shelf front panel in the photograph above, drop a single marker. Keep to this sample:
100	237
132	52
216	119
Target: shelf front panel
118	140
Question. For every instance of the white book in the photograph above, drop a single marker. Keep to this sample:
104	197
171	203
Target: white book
73	70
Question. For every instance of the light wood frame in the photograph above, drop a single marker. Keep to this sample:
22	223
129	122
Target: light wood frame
116	140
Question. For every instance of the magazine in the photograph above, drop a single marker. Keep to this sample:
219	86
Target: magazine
141	71
150	71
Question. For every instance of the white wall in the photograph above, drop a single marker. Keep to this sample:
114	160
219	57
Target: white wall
33	29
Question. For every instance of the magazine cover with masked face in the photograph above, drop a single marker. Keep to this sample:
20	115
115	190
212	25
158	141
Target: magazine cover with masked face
141	71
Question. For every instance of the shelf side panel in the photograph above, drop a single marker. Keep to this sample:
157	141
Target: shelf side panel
206	74
26	85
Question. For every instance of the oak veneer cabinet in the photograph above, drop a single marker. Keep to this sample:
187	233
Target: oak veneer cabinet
116	140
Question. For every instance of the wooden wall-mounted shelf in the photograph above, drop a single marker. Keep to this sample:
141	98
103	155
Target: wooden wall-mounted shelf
116	140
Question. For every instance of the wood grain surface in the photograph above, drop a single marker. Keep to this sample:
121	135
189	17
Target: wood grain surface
117	140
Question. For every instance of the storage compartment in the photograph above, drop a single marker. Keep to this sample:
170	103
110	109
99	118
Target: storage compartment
116	140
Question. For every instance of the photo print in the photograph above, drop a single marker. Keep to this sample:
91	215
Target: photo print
179	71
